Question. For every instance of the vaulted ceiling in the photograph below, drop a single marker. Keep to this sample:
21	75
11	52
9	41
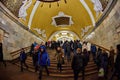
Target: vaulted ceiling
40	18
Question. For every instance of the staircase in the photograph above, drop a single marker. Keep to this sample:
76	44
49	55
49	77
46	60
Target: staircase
67	72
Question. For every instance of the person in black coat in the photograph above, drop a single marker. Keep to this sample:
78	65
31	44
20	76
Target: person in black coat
117	64
31	49
23	58
86	56
78	64
35	59
104	62
1	55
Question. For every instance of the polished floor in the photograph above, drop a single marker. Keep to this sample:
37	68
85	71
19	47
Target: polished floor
12	72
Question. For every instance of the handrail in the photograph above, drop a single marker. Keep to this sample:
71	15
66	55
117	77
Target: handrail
18	51
101	47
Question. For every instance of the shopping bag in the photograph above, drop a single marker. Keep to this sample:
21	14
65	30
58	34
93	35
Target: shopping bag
101	72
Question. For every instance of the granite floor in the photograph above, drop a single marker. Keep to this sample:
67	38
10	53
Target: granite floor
12	72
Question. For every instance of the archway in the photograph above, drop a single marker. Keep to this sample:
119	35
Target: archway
64	35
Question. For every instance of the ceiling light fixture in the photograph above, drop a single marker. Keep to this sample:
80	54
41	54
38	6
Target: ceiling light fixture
50	1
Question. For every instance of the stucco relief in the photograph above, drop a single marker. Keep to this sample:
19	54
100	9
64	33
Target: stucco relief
40	32
13	5
84	30
23	9
104	3
97	6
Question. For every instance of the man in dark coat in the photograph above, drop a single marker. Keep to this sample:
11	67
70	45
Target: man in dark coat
35	58
117	64
78	64
1	55
23	58
104	63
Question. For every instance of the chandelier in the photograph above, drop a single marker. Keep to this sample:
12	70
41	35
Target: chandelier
50	1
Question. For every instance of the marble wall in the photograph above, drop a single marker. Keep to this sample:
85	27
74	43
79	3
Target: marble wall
14	36
108	33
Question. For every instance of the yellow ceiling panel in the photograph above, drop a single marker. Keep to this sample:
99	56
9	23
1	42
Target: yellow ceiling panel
43	16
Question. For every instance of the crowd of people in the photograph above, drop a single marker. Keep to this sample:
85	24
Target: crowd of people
76	53
40	58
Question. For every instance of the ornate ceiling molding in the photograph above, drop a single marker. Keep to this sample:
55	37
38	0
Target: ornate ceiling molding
97	6
33	13
84	30
62	20
49	0
89	11
41	32
23	9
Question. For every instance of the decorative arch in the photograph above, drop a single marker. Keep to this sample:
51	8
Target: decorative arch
57	32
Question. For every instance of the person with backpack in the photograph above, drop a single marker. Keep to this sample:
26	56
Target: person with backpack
43	61
23	58
78	64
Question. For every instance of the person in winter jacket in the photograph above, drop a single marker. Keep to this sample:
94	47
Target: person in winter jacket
35	58
60	58
78	64
98	58
86	56
68	51
43	61
31	49
93	51
111	58
23	58
117	64
104	63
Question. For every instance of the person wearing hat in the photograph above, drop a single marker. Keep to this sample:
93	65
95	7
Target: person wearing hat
43	61
117	64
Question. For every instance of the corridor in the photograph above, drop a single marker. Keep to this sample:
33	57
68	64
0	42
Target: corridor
59	39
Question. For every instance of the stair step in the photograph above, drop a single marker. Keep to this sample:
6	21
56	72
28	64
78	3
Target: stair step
64	65
55	61
65	71
61	75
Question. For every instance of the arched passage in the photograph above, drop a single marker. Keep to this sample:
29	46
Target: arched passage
64	35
